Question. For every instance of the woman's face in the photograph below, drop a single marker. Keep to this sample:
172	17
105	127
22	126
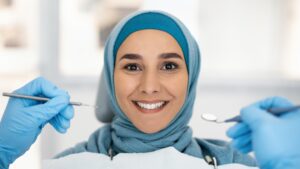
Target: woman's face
150	79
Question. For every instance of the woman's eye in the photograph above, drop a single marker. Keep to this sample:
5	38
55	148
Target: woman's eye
132	67
170	66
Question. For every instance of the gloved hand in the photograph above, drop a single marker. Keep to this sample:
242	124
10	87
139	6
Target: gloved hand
24	119
274	140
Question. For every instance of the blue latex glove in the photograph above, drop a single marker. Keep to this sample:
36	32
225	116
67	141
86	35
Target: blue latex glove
274	140
24	119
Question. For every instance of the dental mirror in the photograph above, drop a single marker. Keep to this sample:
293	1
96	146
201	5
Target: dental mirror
275	111
213	118
210	117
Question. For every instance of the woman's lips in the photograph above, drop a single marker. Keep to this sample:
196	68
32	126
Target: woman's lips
150	107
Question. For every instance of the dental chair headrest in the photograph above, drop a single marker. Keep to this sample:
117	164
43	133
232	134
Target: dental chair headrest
104	111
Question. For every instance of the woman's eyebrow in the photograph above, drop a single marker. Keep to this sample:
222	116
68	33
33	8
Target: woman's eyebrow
170	55
131	56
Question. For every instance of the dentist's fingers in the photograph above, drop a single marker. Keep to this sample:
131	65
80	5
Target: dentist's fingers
60	123
45	112
242	141
274	102
238	130
246	149
68	113
254	116
40	86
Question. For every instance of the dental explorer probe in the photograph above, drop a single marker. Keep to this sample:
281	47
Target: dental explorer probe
275	111
43	99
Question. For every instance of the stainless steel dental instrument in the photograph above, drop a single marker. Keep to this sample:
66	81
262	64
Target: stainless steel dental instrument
275	111
43	99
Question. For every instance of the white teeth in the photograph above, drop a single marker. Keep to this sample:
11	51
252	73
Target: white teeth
150	106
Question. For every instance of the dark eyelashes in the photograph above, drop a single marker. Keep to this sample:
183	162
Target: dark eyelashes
167	66
173	66
132	67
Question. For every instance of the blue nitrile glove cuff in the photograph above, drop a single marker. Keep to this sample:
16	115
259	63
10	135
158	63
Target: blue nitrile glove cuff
8	151
5	159
5	152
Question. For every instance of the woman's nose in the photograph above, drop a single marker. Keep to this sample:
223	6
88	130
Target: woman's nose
149	83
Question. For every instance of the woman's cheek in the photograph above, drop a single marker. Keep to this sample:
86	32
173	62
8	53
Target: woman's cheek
176	85
128	83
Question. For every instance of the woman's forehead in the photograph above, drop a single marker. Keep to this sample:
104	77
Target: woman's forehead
149	41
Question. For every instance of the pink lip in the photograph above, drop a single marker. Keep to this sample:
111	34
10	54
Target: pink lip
147	111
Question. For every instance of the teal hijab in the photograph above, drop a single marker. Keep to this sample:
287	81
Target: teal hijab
121	135
125	136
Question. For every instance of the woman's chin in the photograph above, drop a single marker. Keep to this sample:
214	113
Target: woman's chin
149	131
150	128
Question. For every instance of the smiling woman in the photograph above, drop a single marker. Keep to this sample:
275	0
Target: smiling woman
150	79
152	63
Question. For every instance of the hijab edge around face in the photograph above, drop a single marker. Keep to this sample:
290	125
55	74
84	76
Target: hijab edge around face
193	68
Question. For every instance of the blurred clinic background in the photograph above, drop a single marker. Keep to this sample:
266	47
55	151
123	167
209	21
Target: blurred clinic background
250	50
